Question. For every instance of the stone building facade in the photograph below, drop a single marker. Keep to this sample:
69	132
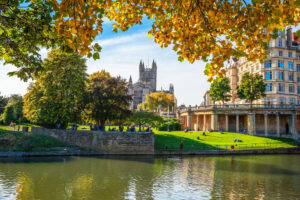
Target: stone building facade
146	84
281	71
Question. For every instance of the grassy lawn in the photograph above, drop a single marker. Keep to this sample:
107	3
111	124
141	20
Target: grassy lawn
18	141
216	140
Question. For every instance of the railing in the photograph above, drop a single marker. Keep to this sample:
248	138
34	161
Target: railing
243	106
231	147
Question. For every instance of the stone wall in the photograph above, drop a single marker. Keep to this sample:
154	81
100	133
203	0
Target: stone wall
106	143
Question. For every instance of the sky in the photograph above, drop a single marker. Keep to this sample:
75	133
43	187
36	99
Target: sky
121	54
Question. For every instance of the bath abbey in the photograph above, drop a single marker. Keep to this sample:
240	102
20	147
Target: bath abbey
146	84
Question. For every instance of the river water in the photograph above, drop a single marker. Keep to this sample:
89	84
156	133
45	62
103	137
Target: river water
179	178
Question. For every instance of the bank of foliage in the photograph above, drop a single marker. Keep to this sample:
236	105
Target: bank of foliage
173	124
12	109
211	30
144	118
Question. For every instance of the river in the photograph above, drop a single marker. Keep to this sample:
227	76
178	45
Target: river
145	177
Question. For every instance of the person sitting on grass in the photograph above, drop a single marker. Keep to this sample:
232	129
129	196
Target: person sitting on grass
203	134
186	130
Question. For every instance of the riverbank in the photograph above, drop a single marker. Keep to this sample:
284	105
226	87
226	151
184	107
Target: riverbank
78	152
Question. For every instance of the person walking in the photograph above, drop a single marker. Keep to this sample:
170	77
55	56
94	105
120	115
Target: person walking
181	145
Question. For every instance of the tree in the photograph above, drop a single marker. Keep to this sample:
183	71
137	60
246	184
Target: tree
219	90
3	103
56	97
156	99
252	87
8	115
211	30
106	98
16	101
143	118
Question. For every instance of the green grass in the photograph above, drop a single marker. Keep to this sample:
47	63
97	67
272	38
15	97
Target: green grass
215	140
19	141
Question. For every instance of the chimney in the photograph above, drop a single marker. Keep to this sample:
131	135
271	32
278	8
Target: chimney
289	36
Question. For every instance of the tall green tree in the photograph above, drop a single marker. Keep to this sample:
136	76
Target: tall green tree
3	103
219	90
8	115
56	96
16	101
252	87
106	98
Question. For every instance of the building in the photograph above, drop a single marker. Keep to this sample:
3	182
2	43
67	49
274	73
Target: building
281	71
278	114
145	85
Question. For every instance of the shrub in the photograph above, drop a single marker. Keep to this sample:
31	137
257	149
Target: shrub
174	125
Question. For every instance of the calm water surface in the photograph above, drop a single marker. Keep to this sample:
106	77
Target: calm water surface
179	178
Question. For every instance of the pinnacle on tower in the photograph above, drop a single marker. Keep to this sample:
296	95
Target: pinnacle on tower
130	80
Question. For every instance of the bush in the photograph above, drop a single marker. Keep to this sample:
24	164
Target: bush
174	125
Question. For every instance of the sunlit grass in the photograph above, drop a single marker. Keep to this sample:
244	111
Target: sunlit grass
215	140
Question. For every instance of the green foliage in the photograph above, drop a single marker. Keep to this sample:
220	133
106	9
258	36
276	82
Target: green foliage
143	118
8	115
252	87
3	103
173	123
106	98
17	102
219	90
25	28
57	94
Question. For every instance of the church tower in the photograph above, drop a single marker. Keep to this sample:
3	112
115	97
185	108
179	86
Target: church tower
148	75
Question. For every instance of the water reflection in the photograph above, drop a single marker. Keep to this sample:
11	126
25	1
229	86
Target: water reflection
110	178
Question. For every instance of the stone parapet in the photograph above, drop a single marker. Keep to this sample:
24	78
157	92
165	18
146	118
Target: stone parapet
104	142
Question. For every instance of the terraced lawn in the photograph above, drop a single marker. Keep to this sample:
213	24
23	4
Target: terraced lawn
194	140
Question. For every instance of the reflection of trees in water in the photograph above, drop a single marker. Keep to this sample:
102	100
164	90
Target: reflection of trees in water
24	190
256	177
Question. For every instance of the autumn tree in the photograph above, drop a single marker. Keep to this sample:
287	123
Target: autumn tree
56	96
252	87
211	30
219	90
106	98
159	99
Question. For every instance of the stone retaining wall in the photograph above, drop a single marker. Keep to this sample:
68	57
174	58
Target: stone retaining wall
104	142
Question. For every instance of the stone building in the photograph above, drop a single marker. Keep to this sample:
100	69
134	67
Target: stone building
278	114
281	71
145	85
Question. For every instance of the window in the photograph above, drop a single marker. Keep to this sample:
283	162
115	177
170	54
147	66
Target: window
291	77
290	64
298	102
279	53
290	54
280	76
291	89
281	100
269	87
268	75
268	64
281	87
298	67
280	43
269	100
298	89
298	78
280	64
298	56
292	100
257	67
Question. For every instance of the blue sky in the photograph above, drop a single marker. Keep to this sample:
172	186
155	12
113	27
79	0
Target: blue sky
121	54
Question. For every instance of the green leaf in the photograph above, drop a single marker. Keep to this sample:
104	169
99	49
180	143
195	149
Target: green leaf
96	56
